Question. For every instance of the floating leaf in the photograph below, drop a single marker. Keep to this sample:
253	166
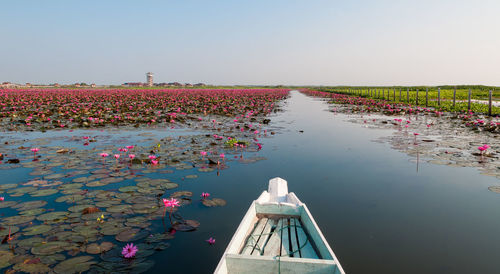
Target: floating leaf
4	231
52	216
5	257
38	229
50	248
17	220
186	225
95	248
43	192
75	265
214	202
131	234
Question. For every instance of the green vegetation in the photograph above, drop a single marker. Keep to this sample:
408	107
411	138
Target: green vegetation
440	98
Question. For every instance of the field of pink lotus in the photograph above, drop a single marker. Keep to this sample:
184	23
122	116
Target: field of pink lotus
63	108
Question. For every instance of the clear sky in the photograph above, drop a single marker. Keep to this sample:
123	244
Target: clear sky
251	42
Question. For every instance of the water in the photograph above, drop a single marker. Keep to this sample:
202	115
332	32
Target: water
377	212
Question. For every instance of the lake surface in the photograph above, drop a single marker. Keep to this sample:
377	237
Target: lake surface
377	212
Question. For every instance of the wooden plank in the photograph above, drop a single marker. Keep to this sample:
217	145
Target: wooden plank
293	239
244	264
253	237
274	246
306	251
285	237
261	243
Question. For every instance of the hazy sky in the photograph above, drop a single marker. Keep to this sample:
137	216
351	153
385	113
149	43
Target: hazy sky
251	42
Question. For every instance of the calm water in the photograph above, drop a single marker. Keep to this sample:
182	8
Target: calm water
378	214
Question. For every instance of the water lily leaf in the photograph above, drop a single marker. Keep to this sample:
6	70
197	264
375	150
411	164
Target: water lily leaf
78	208
5	204
38	229
17	220
74	265
7	186
159	237
32	212
43	192
4	231
111	229
186	225
131	235
128	189
95	248
29	205
70	198
29	242
53	216
111	180
495	189
80	180
118	208
54	176
86	230
191	176
178	194
70	186
33	266
214	202
5	257
50	248
51	259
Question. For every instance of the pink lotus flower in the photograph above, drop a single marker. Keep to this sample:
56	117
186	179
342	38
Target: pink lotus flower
205	195
117	156
152	157
35	150
171	203
211	241
203	153
2	199
131	156
154	162
129	250
222	155
104	155
130	147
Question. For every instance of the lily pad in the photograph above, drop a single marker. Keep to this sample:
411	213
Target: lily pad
95	248
7	186
131	235
128	189
75	265
214	202
38	229
32	212
118	208
50	248
186	225
32	266
5	257
4	231
5	204
43	192
29	205
52	216
17	220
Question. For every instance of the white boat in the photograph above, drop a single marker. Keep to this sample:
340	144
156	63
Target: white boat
278	235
